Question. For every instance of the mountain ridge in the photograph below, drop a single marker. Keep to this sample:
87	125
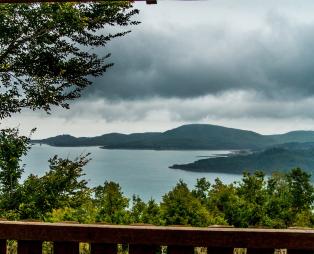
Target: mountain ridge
185	137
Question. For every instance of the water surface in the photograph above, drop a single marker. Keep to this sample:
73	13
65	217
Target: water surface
141	172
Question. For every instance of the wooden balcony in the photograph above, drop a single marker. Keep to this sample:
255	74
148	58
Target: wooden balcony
104	239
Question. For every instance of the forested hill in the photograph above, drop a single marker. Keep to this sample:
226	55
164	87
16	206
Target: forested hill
269	160
193	136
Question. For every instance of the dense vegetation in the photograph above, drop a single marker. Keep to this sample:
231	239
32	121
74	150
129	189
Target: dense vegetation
62	194
270	160
186	137
280	201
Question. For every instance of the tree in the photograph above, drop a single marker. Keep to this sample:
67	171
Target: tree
46	59
180	207
278	205
151	213
201	190
111	204
62	186
252	189
138	207
12	148
46	51
301	189
221	201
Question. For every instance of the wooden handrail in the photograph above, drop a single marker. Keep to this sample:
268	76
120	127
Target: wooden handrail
153	235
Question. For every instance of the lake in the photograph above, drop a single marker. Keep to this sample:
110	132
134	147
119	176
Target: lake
141	172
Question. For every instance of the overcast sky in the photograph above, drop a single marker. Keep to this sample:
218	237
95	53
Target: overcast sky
246	64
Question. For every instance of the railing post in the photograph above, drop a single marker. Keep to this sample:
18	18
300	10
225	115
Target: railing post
102	248
180	250
220	250
3	246
66	248
217	250
259	251
142	249
29	247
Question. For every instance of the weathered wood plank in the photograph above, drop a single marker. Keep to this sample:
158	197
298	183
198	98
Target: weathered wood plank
3	246
260	251
216	250
99	248
142	249
66	248
180	249
29	247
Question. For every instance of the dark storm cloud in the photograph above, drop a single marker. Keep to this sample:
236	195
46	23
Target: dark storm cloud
274	57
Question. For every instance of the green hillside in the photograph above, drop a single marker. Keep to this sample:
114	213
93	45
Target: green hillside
270	160
294	136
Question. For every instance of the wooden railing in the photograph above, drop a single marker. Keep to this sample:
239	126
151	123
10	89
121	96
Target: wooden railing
104	239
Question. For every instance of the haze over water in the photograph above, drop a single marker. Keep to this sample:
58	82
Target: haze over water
141	172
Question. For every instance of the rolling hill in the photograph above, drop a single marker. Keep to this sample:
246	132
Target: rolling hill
269	160
186	137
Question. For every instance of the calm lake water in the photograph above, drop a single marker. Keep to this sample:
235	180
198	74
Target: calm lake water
141	172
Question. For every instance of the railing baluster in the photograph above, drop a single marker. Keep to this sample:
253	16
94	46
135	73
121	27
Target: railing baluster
142	249
102	248
259	251
66	248
3	246
180	250
300	251
217	250
29	247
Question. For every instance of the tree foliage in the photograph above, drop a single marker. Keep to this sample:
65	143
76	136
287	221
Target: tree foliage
12	148
46	50
180	207
111	204
62	186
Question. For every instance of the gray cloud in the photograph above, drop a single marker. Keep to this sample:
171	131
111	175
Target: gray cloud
245	64
230	105
241	109
271	53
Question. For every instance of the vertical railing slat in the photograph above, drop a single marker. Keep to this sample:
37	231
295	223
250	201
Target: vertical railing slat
260	251
142	249
102	248
29	247
66	248
3	246
180	250
217	250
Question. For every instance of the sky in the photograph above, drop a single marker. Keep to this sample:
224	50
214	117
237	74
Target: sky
245	64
